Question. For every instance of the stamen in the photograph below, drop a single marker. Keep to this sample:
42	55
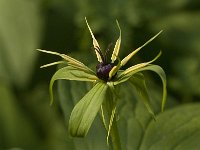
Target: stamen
100	53
107	50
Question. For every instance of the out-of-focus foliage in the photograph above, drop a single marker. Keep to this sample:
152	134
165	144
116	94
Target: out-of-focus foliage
20	31
26	119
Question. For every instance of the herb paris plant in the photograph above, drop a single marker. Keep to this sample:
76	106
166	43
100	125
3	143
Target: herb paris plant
108	75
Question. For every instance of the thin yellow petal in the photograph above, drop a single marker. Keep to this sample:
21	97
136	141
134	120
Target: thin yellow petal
130	69
117	45
110	123
51	64
65	57
95	43
115	69
127	58
69	60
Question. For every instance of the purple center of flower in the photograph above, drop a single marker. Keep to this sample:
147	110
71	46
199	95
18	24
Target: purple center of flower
103	70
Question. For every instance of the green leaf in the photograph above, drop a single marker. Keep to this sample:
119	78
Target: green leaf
70	73
117	46
86	110
178	128
127	58
155	68
70	93
138	81
133	118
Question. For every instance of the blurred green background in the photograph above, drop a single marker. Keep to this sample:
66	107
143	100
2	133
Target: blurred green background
26	119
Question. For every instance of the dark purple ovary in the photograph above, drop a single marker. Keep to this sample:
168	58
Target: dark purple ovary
103	70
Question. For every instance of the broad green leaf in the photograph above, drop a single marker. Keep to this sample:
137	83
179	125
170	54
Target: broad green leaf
178	128
70	93
86	110
70	73
155	68
117	46
133	118
95	43
20	33
138	81
127	58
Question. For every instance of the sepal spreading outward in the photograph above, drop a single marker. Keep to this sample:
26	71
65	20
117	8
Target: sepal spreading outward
106	78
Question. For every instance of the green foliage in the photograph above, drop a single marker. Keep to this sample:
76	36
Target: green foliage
59	24
139	130
180	132
86	110
20	27
70	73
68	98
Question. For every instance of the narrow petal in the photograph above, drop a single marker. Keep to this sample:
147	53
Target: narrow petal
52	64
71	61
115	69
95	43
126	74
117	46
130	69
70	73
86	110
127	58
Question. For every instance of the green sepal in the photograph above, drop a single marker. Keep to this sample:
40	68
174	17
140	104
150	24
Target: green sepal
70	73
155	68
138	81
86	110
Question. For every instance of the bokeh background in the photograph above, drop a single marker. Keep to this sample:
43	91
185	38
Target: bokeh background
26	119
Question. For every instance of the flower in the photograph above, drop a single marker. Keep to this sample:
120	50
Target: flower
108	75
